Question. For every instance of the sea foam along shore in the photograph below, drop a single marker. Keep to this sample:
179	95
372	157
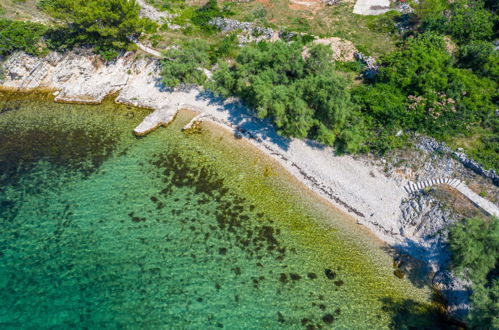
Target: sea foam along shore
357	186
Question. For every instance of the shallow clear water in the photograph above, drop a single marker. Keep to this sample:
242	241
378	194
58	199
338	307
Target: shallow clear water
199	231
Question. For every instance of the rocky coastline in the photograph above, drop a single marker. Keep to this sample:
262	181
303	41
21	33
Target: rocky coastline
367	188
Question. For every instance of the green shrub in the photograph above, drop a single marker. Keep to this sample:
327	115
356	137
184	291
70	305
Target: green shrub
17	35
184	16
475	249
385	103
184	65
259	12
466	21
470	21
482	58
106	24
430	13
205	14
304	97
227	47
418	88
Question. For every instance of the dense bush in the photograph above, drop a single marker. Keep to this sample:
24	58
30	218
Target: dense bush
482	58
16	35
106	24
303	96
475	247
419	88
470	21
472	25
225	48
465	21
184	64
210	10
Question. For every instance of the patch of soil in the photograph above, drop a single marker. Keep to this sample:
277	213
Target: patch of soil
266	3
343	50
456	201
308	5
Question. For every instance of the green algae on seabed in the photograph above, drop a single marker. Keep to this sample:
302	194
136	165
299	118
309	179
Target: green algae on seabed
102	229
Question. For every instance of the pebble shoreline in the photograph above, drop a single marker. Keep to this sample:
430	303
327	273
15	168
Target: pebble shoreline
358	186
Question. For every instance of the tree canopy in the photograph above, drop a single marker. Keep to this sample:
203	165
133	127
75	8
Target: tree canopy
16	35
106	24
420	88
470	21
184	64
302	95
475	247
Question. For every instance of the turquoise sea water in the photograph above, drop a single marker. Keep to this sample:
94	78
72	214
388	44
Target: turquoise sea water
100	229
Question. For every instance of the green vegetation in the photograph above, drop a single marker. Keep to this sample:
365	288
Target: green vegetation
303	96
475	247
24	36
480	57
184	65
423	86
106	24
419	89
202	16
473	26
439	86
468	21
437	77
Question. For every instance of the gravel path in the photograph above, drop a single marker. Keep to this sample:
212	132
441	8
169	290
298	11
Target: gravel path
151	12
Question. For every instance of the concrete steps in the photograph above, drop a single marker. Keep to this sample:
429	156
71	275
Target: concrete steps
482	203
413	187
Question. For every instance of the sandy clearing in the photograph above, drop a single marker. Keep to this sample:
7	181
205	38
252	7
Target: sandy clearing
371	7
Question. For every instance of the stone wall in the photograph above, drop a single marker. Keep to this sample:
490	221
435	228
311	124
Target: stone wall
431	145
249	31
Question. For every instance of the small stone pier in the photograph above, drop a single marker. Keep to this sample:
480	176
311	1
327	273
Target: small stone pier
160	117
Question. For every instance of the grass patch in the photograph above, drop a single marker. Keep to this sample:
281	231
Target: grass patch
21	10
482	146
336	21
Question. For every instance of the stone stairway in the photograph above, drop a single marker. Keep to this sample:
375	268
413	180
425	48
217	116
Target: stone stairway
479	201
413	187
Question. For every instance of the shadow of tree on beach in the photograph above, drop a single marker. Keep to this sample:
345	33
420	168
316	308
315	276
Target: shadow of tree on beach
246	119
415	270
409	314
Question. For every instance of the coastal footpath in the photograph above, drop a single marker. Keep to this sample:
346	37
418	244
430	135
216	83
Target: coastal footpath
369	189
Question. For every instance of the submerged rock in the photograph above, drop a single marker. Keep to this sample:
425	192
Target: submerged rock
329	273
